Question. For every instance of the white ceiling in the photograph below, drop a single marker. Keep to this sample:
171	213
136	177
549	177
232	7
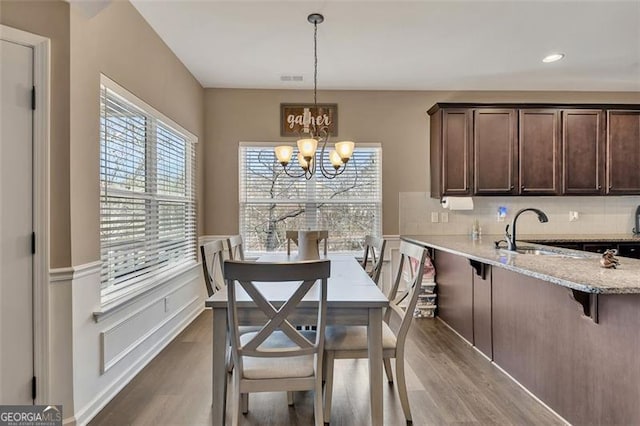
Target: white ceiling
413	45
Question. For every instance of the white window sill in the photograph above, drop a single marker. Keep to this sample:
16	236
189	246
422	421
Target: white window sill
120	299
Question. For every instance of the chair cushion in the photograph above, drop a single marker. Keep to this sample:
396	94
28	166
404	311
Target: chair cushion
278	367
354	337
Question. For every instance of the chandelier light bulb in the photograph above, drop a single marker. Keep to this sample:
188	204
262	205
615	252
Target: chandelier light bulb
284	154
335	159
303	162
307	147
345	150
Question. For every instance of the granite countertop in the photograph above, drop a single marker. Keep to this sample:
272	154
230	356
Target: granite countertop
581	272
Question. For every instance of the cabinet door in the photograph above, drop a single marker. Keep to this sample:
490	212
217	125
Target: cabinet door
495	152
599	247
455	292
629	250
623	152
539	151
456	146
582	152
482	311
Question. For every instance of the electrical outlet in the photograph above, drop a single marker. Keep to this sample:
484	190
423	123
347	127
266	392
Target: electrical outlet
444	217
573	216
434	217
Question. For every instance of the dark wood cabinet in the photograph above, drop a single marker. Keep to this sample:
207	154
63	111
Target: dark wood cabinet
455	292
482	339
539	151
629	250
494	151
623	152
534	149
583	152
451	152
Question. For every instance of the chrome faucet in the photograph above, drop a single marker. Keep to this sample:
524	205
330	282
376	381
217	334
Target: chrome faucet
511	239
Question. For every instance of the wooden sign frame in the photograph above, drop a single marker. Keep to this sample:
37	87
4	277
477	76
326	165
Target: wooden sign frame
291	118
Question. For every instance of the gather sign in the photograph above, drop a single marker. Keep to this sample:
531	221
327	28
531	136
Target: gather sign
295	117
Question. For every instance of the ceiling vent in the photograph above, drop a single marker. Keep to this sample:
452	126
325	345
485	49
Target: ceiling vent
291	78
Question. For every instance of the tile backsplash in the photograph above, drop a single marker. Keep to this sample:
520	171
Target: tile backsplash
596	215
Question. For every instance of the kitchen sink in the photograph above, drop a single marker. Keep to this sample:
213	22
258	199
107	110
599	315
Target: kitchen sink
536	251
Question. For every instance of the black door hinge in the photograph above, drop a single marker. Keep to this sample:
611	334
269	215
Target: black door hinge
33	243
33	388
33	98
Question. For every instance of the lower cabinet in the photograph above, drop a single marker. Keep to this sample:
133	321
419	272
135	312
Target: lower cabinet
482	338
588	373
464	298
455	292
534	330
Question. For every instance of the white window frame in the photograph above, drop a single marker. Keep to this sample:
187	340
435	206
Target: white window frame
112	296
243	144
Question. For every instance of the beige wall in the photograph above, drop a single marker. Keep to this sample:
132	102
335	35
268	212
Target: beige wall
51	19
119	43
396	119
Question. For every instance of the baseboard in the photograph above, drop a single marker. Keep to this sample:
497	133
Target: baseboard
85	414
531	394
456	333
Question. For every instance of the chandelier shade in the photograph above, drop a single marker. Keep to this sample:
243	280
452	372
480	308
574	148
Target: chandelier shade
314	134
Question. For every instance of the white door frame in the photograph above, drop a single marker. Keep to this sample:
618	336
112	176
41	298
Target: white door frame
42	77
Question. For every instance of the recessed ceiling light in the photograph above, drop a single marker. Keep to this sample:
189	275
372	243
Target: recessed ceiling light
553	57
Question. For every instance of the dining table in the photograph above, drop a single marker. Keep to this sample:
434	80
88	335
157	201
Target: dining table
352	299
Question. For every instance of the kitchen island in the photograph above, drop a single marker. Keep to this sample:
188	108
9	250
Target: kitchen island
559	324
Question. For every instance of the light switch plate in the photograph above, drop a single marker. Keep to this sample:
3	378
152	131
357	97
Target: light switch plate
434	217
444	217
573	216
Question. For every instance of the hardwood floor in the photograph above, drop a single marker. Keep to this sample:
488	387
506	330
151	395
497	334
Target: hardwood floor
448	383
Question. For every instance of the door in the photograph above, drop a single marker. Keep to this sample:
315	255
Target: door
539	149
16	224
583	152
495	151
623	152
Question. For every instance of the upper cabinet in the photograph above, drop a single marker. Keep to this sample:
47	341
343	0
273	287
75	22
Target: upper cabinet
539	151
623	152
526	149
495	151
583	152
451	152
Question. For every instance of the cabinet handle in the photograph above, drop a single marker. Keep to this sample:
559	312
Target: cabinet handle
521	186
599	186
512	187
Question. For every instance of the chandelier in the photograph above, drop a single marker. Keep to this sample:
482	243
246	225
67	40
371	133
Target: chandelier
314	134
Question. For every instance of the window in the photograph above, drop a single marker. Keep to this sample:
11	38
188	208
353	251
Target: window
147	193
349	206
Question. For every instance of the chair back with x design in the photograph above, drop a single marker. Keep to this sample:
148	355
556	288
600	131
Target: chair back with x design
373	257
235	246
212	254
300	278
402	303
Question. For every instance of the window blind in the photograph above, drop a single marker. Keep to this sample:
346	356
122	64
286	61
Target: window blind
147	193
349	206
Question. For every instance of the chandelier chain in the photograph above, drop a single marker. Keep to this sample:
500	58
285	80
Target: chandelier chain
315	64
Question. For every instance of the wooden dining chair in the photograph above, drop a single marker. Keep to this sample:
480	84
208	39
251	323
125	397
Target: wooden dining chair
212	254
373	257
323	236
349	342
235	245
278	357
